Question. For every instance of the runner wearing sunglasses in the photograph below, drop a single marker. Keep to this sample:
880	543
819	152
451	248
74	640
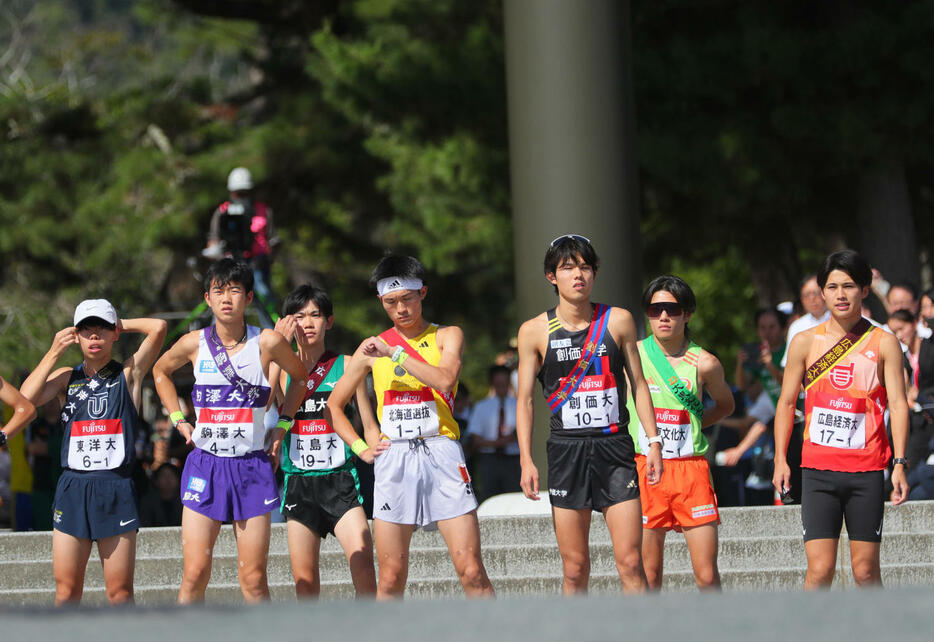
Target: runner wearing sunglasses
578	352
678	371
851	372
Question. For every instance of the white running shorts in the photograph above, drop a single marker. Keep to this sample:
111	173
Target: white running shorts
422	481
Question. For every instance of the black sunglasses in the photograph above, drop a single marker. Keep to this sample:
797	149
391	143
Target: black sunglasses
655	309
568	237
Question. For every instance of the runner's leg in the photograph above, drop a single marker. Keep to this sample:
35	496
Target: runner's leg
822	559
252	556
865	559
199	533
653	556
462	535
353	533
392	552
702	544
572	530
118	559
624	521
69	562
304	554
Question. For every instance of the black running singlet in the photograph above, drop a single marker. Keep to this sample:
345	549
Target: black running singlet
100	423
598	407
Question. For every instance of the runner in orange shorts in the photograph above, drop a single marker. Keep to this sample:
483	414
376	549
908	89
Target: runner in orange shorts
678	371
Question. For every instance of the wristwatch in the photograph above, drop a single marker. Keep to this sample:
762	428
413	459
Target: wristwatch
900	460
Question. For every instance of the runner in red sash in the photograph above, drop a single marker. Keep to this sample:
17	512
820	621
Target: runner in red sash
852	372
581	353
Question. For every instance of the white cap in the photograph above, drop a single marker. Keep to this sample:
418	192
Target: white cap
97	308
239	179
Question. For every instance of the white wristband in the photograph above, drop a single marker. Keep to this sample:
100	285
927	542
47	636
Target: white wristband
395	355
657	439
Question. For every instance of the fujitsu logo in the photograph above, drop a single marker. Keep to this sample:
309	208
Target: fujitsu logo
93	428
841	404
223	416
407	398
592	383
667	416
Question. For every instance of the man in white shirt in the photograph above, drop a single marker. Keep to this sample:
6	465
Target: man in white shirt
815	312
492	431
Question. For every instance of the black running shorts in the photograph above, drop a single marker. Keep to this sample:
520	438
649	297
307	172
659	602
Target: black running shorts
319	501
591	471
829	497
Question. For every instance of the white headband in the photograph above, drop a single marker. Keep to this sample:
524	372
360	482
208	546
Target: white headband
396	283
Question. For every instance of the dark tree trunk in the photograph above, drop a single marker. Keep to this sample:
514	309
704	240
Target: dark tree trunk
886	223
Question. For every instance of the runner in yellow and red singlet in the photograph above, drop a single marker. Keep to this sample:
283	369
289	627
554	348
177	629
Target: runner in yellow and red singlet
851	372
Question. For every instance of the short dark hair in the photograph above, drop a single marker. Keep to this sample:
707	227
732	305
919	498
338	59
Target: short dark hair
674	285
849	261
906	285
300	296
903	315
780	316
226	271
497	369
568	248
407	267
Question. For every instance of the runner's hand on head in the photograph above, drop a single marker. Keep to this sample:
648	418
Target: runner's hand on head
529	481
63	339
286	326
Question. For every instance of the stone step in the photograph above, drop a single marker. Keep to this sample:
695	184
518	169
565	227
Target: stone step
764	579
757	521
736	554
500	561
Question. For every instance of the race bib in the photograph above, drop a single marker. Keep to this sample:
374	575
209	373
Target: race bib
674	426
838	422
409	414
595	404
225	432
315	446
96	444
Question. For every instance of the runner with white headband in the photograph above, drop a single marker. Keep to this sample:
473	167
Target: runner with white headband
421	477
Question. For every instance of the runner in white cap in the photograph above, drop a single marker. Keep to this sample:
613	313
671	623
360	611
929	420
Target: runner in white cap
95	499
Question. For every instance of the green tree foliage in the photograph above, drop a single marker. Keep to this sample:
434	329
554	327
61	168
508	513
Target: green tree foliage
381	124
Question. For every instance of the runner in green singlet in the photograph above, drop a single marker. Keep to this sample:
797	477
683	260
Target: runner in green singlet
322	489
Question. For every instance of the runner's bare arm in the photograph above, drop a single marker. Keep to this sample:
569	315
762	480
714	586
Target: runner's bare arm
23	410
344	389
442	377
279	352
894	380
278	378
136	367
184	351
532	337
714	381
365	409
45	382
785	407
623	327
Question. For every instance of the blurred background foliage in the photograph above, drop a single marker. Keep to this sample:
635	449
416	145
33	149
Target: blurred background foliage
766	134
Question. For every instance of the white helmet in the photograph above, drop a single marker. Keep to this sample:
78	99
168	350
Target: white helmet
239	179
